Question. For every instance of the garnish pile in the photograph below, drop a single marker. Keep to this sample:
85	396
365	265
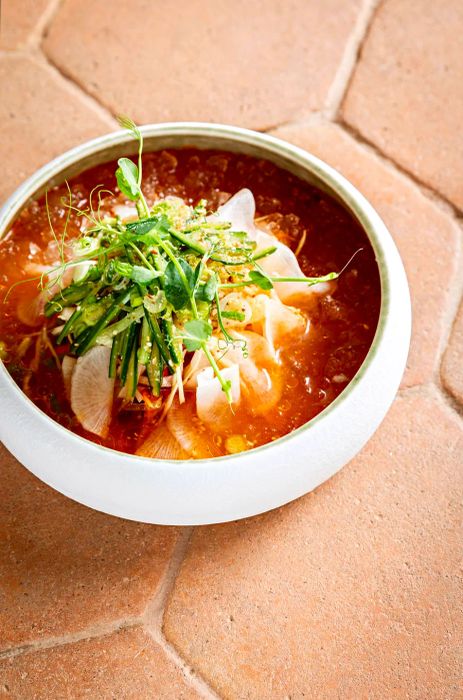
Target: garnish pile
151	288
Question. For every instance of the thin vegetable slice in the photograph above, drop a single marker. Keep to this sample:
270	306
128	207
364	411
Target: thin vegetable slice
192	435
212	406
161	444
154	368
92	391
67	368
260	371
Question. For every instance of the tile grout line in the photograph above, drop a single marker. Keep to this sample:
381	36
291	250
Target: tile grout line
333	115
448	322
350	58
34	48
37	56
153	616
447	401
450	315
344	72
43	23
452	212
95	632
433	195
314	119
321	119
150	621
155	608
88	99
430	389
188	672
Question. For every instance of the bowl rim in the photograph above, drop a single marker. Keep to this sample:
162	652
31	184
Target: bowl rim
350	197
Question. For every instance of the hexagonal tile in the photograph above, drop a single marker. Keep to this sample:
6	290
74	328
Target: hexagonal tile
65	567
407	94
125	665
19	19
351	592
40	116
236	62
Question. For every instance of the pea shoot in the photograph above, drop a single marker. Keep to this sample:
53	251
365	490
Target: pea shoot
151	288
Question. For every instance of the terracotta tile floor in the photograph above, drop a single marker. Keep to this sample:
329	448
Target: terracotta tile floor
354	591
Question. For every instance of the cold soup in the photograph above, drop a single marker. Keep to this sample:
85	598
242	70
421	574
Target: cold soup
185	304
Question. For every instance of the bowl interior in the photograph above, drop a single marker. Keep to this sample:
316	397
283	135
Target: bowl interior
209	136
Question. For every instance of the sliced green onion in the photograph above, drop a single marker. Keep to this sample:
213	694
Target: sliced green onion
158	337
67	297
115	353
168	326
131	381
128	351
263	253
103	322
154	370
201	250
120	326
68	325
144	350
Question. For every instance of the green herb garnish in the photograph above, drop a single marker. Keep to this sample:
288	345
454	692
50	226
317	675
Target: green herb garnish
150	289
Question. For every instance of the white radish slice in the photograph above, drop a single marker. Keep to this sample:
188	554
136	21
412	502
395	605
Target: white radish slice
212	405
125	212
53	272
66	313
198	362
30	311
276	321
192	435
67	367
260	371
240	212
92	390
80	271
161	444
283	263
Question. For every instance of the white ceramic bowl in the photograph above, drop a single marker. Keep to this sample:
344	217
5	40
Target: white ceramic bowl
225	488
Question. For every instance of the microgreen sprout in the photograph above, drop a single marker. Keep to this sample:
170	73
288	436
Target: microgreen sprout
151	288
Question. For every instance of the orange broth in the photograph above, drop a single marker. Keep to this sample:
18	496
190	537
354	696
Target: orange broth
317	366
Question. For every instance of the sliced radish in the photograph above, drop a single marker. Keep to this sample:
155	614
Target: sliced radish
92	390
161	444
212	406
125	212
240	211
275	320
260	370
192	435
30	311
67	367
